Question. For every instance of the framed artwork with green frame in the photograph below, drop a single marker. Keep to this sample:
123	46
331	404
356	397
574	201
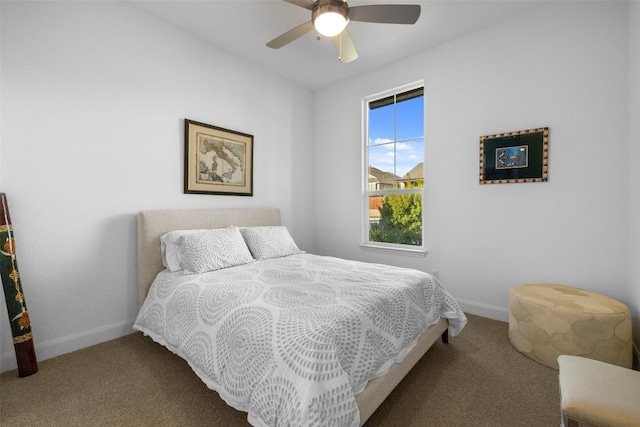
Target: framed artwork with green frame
514	157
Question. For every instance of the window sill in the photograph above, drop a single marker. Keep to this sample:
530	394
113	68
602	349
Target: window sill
418	253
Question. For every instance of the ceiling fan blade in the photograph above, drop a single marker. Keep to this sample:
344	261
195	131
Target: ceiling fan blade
290	35
307	4
345	47
386	13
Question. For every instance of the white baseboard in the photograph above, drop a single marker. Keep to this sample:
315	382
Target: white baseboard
53	348
484	310
57	347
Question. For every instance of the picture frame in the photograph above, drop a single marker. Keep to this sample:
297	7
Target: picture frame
217	160
515	157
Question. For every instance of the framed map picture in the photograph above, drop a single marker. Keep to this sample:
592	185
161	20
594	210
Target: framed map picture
521	156
217	160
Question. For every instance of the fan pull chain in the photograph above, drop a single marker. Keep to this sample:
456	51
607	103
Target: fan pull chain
340	49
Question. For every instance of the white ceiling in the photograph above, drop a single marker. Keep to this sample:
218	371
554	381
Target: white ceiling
244	26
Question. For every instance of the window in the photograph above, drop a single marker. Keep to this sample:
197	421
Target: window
394	168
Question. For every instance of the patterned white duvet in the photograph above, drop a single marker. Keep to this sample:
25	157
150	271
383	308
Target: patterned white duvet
291	340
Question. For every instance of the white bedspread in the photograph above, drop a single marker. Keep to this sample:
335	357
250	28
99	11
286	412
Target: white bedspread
292	340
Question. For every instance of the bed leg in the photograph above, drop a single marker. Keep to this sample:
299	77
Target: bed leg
445	337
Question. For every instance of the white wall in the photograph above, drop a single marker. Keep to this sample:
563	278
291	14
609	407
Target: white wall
634	169
562	65
93	100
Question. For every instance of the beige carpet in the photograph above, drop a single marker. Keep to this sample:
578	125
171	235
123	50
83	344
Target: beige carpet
478	379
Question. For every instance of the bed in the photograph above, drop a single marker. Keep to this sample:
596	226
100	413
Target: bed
330	386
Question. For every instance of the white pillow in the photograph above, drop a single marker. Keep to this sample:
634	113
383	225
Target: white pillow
169	248
212	250
269	241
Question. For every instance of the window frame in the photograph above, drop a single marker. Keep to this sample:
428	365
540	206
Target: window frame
366	244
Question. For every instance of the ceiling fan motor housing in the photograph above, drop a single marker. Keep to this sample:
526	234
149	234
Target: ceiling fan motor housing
325	6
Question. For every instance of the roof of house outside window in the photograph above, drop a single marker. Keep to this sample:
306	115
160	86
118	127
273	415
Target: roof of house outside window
416	172
382	177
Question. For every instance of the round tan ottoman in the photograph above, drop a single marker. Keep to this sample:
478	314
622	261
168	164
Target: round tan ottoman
546	321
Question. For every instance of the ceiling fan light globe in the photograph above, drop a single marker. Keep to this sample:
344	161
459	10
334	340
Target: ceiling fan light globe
330	24
330	17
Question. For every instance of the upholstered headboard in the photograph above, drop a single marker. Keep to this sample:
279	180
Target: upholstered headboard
153	224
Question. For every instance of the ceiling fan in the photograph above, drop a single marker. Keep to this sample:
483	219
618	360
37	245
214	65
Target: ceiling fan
330	18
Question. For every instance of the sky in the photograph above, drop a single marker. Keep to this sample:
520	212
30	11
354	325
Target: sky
408	149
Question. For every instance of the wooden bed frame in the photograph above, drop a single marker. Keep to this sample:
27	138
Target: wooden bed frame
154	223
